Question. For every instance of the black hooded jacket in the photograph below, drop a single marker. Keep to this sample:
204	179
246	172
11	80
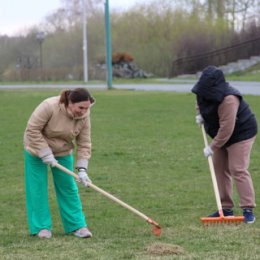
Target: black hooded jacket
211	89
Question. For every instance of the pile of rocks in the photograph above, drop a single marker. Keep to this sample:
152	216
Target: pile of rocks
129	70
123	66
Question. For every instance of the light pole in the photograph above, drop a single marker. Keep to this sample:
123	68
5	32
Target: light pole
108	46
40	36
85	48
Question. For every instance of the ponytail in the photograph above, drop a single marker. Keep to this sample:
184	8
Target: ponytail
75	96
64	97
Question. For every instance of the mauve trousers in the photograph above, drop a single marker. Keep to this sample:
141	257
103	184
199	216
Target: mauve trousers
231	166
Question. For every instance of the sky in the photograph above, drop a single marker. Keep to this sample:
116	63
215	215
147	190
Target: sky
19	15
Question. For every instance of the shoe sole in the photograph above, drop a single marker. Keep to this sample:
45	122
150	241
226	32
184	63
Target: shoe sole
44	234
82	236
44	237
251	221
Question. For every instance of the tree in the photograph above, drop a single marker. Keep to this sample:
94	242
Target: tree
240	11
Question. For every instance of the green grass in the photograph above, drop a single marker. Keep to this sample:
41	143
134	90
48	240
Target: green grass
147	151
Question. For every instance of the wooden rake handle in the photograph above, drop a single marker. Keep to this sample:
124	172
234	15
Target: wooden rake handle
106	194
212	173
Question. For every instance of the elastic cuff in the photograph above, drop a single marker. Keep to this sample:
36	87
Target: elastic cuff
45	152
82	163
81	168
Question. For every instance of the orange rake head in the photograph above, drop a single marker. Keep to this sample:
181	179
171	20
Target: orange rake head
222	220
156	228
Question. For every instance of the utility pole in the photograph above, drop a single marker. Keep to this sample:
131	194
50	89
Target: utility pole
85	48
108	46
40	36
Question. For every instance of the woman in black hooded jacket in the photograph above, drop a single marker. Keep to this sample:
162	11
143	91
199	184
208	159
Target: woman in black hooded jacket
230	123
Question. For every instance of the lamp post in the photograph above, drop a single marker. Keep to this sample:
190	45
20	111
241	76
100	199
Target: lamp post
108	46
85	48
40	36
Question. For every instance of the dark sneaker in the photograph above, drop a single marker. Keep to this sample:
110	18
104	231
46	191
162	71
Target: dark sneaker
249	216
226	212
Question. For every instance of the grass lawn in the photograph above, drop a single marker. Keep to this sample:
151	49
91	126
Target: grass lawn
147	151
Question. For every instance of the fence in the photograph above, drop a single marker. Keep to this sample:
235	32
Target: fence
195	63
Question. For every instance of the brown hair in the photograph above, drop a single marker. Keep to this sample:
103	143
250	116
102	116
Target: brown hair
75	95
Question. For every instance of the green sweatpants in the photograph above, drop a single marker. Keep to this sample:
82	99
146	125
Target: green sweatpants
37	205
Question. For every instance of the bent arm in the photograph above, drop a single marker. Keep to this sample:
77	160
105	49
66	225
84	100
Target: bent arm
227	113
33	136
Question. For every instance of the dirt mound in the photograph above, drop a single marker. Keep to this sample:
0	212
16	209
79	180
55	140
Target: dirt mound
165	249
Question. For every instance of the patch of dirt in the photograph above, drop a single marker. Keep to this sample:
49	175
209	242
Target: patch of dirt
165	249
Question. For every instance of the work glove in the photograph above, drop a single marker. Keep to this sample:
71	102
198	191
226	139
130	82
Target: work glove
49	159
83	176
199	119
207	151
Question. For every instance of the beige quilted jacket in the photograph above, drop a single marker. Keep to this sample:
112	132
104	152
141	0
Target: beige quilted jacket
53	129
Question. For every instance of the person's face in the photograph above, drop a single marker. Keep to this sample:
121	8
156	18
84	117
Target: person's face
80	108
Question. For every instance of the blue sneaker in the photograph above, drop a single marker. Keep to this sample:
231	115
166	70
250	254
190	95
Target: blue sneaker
226	212
249	216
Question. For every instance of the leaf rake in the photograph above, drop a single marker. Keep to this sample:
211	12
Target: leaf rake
156	229
221	219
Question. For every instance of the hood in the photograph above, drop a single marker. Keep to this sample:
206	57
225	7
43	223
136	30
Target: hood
211	81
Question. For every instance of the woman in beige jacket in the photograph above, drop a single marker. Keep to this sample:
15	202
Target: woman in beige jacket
57	125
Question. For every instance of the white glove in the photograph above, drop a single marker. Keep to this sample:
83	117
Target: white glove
49	159
207	151
83	176
199	119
